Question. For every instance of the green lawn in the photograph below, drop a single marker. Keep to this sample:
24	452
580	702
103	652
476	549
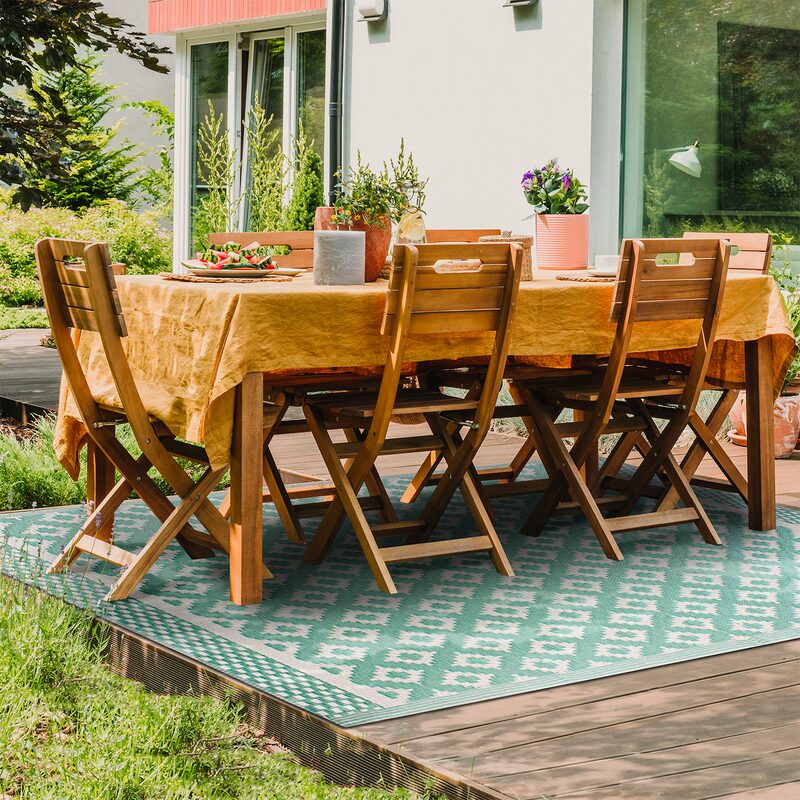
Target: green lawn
22	318
71	729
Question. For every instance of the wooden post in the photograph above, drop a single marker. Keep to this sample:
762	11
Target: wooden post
99	482
247	491
760	435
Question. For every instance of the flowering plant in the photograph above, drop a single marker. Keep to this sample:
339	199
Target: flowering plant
553	191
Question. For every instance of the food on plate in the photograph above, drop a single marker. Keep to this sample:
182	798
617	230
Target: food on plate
233	256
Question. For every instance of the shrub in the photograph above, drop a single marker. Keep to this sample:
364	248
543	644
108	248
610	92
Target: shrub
31	476
307	186
134	238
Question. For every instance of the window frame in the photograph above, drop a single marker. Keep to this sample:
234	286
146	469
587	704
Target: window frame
289	29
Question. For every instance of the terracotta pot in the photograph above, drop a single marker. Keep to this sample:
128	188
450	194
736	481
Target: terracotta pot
562	241
786	415
378	240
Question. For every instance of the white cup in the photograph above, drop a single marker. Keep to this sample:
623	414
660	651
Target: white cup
606	264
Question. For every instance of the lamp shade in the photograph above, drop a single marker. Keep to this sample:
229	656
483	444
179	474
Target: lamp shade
687	160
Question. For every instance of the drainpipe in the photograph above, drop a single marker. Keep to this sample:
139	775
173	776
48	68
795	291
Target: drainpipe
335	110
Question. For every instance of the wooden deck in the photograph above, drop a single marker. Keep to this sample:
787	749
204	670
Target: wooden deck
726	726
30	375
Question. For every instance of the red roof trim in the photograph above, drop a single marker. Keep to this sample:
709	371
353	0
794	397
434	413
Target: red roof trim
168	16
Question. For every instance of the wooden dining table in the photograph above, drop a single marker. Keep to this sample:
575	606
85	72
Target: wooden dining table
201	353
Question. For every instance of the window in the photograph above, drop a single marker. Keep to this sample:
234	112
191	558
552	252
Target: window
287	75
725	73
285	68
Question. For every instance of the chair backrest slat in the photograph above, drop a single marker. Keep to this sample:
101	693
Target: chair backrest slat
301	244
458	289
450	289
442	235
647	290
754	249
64	277
671	291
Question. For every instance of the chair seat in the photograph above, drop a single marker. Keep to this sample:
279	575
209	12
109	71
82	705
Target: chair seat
319	382
635	387
361	405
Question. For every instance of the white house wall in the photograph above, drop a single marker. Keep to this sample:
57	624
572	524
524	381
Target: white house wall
481	92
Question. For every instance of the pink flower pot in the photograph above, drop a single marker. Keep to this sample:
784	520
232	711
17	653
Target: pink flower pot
562	241
377	243
786	415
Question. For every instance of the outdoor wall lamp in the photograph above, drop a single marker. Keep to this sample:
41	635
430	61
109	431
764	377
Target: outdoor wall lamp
372	10
687	160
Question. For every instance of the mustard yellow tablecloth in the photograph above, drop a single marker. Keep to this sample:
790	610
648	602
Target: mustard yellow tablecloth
190	344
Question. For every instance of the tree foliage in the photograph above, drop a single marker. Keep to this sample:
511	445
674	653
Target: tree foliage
89	163
49	36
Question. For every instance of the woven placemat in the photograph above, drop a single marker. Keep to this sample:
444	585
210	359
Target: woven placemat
586	278
172	276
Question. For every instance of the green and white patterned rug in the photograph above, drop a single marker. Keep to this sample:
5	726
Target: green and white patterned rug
327	640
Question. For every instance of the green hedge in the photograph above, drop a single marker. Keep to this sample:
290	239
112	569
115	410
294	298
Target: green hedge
134	238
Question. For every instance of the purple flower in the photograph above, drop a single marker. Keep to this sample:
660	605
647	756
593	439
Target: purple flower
528	176
565	182
527	184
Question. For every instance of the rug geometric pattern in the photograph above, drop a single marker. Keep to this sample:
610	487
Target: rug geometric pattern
327	640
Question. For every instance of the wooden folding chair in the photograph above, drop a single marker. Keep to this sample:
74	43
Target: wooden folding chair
300	244
423	299
628	399
750	253
80	294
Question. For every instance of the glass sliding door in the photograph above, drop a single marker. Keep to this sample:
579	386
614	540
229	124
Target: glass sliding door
267	79
311	87
287	75
724	74
208	89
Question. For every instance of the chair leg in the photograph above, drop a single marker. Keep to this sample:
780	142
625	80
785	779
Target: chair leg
571	476
108	506
472	497
374	483
706	441
280	497
422	476
347	500
681	483
147	556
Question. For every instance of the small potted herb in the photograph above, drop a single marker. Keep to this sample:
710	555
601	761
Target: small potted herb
367	200
562	224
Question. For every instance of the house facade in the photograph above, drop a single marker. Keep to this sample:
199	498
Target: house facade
677	115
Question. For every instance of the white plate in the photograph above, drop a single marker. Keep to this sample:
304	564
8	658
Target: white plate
244	273
602	273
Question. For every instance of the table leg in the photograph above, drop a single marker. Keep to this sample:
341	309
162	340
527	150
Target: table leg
247	491
99	482
760	435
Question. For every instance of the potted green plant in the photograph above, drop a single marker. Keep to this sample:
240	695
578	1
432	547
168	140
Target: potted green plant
562	224
367	200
